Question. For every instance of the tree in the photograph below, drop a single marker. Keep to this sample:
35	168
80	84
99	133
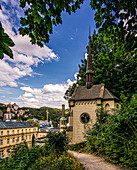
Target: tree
5	43
57	142
117	17
112	65
33	122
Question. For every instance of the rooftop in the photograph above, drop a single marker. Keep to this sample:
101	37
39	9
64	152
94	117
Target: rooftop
17	124
95	92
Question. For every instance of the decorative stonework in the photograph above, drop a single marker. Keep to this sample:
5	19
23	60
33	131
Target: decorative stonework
84	118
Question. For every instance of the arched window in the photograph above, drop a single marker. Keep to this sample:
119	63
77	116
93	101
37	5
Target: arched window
117	106
107	106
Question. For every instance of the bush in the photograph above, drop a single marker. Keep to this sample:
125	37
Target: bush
116	135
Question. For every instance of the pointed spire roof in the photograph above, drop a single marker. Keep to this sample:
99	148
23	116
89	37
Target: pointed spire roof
89	57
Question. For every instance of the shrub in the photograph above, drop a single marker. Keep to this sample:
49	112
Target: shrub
116	135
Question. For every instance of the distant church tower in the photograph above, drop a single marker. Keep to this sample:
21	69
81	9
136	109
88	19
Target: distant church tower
84	102
63	120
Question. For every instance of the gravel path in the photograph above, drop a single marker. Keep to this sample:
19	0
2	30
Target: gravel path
91	162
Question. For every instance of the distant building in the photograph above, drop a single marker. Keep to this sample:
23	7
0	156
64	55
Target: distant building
8	116
15	106
63	120
14	133
8	109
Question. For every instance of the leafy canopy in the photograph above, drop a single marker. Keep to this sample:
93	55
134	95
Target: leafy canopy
5	43
41	16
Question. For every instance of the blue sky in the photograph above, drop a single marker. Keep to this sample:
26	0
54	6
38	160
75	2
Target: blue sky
40	76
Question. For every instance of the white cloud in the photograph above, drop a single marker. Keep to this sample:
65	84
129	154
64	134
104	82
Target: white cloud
25	54
86	55
51	95
27	94
27	89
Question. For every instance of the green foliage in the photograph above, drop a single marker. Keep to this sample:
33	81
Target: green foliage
115	135
57	142
35	123
117	17
5	43
41	114
41	16
64	162
33	140
22	157
77	146
112	65
43	157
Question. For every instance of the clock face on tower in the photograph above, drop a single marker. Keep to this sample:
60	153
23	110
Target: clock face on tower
84	118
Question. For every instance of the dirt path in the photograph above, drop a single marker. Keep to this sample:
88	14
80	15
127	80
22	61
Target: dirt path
91	162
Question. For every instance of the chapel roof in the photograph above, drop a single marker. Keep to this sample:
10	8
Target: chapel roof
95	92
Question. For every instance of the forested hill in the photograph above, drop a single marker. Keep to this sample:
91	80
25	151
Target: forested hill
40	113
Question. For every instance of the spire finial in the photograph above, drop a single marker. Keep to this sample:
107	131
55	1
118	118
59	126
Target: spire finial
89	72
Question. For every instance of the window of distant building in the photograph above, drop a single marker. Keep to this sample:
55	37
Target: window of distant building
13	140
1	142
8	141
18	139
18	131
26	130
1	153
22	130
29	130
36	136
30	145
22	137
26	137
12	131
1	132
7	132
29	136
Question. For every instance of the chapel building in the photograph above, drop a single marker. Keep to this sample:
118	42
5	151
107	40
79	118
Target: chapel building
84	102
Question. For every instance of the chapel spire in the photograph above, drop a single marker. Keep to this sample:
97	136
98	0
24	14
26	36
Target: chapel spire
89	72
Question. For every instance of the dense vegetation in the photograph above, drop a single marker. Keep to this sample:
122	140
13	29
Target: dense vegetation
51	156
115	135
112	64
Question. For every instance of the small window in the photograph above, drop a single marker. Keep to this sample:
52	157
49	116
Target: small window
22	137
18	139
107	106
36	136
29	130
26	137
13	140
30	145
117	106
29	136
22	130
1	132
8	132
8	141
12	131
26	130
1	154
18	131
1	142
